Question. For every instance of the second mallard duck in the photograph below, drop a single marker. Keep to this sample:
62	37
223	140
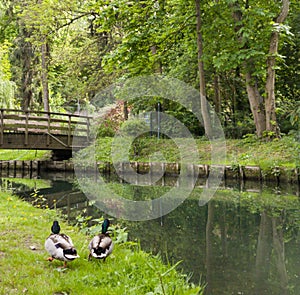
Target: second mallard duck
101	245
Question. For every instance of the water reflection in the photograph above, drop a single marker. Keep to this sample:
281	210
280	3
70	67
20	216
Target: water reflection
244	241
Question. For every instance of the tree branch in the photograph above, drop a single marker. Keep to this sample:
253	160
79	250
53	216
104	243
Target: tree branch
284	12
73	20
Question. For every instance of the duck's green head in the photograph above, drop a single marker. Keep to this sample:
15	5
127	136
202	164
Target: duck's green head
55	228
105	225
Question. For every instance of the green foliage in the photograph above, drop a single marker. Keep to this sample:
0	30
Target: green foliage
110	122
5	67
107	128
295	116
134	127
7	87
93	44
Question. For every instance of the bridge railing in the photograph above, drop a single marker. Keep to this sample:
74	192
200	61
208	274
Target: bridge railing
50	123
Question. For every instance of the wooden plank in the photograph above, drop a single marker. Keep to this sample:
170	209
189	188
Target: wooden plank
26	123
26	130
1	127
69	131
41	119
48	135
32	125
45	113
75	119
42	129
39	141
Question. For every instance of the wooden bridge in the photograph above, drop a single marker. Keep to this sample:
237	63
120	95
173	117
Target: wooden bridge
39	130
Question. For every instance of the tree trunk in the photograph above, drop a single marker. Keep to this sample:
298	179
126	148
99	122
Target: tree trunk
255	99
217	94
271	122
256	104
26	54
125	110
45	86
203	102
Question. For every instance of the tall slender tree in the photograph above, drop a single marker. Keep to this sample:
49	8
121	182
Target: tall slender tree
204	106
44	76
271	122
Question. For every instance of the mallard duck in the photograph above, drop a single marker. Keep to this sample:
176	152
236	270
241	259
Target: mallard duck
101	245
60	246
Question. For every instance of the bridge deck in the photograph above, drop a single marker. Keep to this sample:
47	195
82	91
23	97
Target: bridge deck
42	130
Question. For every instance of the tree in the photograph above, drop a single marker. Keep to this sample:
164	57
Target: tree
271	122
203	101
7	87
65	52
252	87
25	57
262	106
44	76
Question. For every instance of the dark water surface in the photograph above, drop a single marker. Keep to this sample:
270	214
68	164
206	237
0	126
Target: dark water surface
245	240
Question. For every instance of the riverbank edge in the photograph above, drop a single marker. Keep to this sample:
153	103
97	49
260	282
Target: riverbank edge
24	229
32	168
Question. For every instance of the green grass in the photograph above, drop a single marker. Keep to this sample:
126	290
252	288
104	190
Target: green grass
24	155
128	270
284	152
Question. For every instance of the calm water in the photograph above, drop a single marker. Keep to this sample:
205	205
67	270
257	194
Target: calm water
244	241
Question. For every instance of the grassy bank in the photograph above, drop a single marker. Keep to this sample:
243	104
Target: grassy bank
284	152
24	155
25	271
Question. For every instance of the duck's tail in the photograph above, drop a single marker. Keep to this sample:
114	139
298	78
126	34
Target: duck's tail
70	253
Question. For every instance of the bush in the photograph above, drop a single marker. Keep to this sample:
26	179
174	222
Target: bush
107	128
134	127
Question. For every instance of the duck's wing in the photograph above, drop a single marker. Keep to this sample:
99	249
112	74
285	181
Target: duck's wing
106	242
101	246
94	243
60	241
53	247
100	241
66	241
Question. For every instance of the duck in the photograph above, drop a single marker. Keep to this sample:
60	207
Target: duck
101	246
60	246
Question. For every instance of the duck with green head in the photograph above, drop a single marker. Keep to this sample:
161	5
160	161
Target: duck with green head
60	246
101	246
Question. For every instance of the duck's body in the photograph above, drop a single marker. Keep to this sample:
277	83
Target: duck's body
101	245
60	246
